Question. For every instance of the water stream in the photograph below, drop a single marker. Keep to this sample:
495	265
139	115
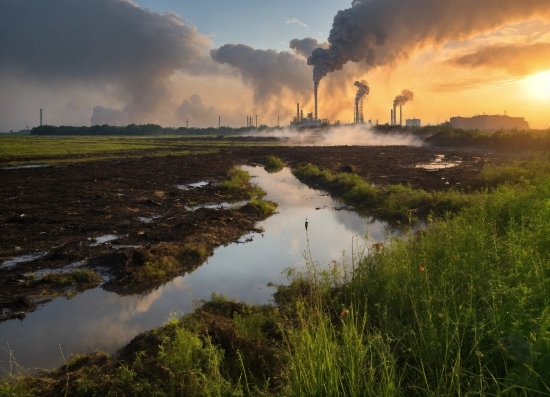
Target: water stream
101	320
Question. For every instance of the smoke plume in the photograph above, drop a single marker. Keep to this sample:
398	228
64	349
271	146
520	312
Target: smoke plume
402	99
267	71
196	112
363	89
305	47
111	45
379	32
345	135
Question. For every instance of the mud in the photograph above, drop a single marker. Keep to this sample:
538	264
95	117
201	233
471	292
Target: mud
62	212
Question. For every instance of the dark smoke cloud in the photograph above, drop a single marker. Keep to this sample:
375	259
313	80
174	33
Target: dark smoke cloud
305	47
378	32
402	99
363	89
196	112
110	43
517	60
267	71
102	116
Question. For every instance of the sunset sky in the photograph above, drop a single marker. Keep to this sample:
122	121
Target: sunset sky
168	61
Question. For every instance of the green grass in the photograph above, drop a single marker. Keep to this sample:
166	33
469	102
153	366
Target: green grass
273	164
266	207
396	202
20	150
236	179
74	277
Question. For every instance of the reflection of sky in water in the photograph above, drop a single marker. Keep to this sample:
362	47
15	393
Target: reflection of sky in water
100	320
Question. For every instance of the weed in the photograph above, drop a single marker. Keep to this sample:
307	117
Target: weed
74	277
236	179
273	164
266	207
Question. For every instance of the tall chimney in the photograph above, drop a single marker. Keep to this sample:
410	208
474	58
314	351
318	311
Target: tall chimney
394	121
401	115
256	121
219	121
40	117
298	112
302	115
391	116
315	88
356	112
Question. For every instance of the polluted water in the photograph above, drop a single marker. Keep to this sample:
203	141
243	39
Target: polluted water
102	320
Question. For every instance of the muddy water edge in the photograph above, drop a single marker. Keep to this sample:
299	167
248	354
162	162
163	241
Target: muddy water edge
98	319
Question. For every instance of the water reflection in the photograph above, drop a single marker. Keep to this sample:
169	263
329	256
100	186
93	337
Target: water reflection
102	320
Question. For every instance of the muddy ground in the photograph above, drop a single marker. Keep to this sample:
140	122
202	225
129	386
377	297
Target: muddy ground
57	212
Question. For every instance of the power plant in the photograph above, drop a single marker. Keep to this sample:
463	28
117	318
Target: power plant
489	123
400	100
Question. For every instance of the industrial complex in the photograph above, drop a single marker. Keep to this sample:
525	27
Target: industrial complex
489	123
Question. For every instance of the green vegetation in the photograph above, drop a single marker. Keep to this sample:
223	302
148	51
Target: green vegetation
396	202
266	207
19	150
513	140
74	277
273	164
236	179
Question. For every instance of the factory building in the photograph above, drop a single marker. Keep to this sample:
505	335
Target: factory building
413	123
489	123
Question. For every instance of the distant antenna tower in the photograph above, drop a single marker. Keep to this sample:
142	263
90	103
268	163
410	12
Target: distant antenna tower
40	117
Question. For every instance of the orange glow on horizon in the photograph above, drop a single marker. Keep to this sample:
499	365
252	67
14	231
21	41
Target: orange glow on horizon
538	86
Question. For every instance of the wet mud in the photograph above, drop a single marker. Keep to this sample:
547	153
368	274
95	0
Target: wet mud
116	216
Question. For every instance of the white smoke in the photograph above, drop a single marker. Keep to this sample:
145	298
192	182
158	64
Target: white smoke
358	135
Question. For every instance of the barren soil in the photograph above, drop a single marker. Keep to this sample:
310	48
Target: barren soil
59	210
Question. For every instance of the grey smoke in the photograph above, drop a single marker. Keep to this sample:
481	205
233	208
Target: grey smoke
379	32
103	43
402	99
108	116
268	72
196	112
363	89
305	47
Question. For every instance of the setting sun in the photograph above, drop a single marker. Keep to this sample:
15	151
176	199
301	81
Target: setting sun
538	86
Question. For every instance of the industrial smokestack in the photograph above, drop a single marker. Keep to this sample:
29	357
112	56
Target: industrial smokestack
297	112
401	115
315	89
400	100
391	116
40	117
394	119
362	90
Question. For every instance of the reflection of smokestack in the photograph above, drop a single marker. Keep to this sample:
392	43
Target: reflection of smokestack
315	88
401	115
40	117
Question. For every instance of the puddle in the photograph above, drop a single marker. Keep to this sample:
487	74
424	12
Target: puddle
193	185
150	219
216	206
438	164
22	167
22	259
124	246
103	239
101	320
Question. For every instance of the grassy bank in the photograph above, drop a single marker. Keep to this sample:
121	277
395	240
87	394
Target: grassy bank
404	203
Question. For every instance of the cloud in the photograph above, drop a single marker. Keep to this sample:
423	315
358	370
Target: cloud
295	20
112	44
103	115
196	112
515	59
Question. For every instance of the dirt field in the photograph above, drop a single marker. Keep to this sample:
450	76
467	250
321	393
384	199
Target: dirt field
56	212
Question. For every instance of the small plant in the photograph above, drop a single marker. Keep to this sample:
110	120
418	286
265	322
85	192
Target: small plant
74	277
236	179
273	164
266	207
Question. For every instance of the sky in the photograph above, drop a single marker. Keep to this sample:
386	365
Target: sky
174	62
